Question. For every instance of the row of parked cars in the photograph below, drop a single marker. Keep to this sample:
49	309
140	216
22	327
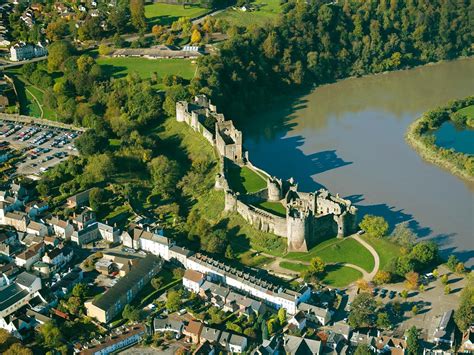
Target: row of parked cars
382	293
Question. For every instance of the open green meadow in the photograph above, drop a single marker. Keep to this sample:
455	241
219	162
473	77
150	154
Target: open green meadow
340	276
386	249
245	180
273	207
468	111
338	251
120	67
166	14
263	11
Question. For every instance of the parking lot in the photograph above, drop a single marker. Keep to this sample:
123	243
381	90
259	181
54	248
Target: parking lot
42	146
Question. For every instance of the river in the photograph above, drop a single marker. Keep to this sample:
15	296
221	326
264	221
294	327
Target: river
349	138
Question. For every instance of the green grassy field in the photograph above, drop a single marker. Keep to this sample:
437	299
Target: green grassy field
385	248
468	111
338	251
273	207
265	11
166	14
245	180
341	276
293	266
120	67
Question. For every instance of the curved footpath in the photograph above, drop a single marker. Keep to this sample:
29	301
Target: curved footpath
275	267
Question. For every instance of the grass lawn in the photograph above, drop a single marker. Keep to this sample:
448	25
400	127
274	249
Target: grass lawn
468	111
338	251
166	14
341	276
120	67
245	180
293	266
265	11
386	249
273	207
253	259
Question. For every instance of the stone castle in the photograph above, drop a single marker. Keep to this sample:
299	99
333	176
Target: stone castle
309	215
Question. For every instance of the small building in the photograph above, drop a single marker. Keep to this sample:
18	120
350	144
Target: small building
444	333
78	200
58	256
298	320
193	280
36	228
110	234
168	324
24	51
180	254
295	345
153	243
237	343
28	258
86	235
209	334
315	314
193	331
63	229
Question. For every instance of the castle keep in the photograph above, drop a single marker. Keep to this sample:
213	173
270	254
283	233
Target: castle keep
309	215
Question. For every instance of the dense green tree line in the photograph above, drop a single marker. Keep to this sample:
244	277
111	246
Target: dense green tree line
315	43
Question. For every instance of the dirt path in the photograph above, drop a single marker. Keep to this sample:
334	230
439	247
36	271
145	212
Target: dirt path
37	101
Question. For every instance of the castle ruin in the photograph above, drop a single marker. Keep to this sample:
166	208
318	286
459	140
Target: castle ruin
309	215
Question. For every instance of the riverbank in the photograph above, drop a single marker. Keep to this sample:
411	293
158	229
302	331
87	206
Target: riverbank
418	137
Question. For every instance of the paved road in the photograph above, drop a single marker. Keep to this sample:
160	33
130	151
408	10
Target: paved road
6	65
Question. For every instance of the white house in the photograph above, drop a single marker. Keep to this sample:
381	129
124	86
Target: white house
192	280
153	243
23	51
315	314
36	228
237	343
109	233
58	256
61	228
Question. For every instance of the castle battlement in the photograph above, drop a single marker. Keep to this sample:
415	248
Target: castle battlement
309	215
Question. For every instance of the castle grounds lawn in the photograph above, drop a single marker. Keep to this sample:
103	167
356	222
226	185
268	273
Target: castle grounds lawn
340	276
468	111
386	249
166	14
273	207
265	11
120	67
293	266
338	251
245	180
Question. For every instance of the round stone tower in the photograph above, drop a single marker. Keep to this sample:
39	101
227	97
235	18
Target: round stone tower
274	190
297	228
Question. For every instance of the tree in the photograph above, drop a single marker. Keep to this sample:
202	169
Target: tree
97	198
229	252
382	277
425	252
58	52
404	236
165	175
362	349
412	280
99	167
464	315
413	342
362	310
375	226
157	282
282	316
383	321
404	294
452	262
131	313
18	349
414	310
196	36
315	270
137	13
273	325
173	300
444	279
447	290
460	268
90	142
264	330
80	290
104	49
50	335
